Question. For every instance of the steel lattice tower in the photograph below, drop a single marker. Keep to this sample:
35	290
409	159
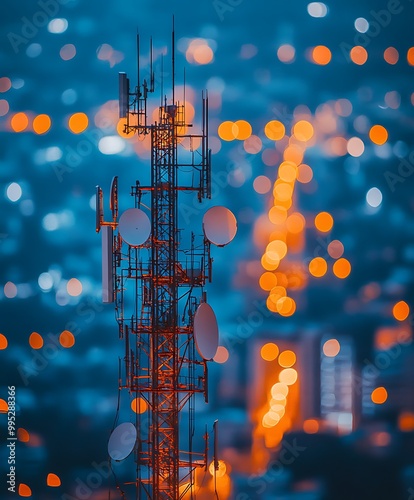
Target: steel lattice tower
157	286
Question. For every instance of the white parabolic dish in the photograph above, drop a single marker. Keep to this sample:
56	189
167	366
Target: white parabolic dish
206	331
134	227
219	225
122	441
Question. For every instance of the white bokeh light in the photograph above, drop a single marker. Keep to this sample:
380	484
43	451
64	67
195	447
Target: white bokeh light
58	25
317	9
374	197
14	191
361	25
45	281
111	145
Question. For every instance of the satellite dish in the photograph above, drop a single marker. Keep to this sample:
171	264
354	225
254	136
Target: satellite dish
206	331
219	225
134	227
122	441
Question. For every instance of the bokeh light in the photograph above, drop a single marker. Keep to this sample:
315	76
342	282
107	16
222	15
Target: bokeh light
269	351
321	55
78	123
379	395
331	348
335	249
67	339
139	405
288	376
287	359
401	310
274	130
3	342
342	268
19	122
324	222
53	480
41	124
378	135
318	267
286	53
74	287
35	340
222	355
374	197
358	55
391	55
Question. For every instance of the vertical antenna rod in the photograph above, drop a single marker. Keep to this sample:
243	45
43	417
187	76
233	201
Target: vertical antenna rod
173	61
138	80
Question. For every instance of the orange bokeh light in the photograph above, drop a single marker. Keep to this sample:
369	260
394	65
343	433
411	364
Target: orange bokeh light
410	56
406	421
288	171
303	130
318	267
67	339
294	154
401	310
378	135
324	222
342	268
23	435
321	55
311	426
53	480
24	490
277	214
3	342
78	122
242	130
267	281
4	407
295	223
19	122
274	130
221	469
379	395
269	351
35	340
41	124
226	131
286	306
358	55
139	405
287	359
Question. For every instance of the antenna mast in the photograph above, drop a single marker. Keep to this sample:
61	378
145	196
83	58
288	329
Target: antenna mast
158	276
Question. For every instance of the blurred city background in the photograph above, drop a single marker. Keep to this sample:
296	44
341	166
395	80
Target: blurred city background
311	130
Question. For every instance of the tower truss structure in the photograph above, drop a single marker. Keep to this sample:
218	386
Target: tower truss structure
157	285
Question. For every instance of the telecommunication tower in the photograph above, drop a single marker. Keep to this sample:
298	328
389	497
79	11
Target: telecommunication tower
155	273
